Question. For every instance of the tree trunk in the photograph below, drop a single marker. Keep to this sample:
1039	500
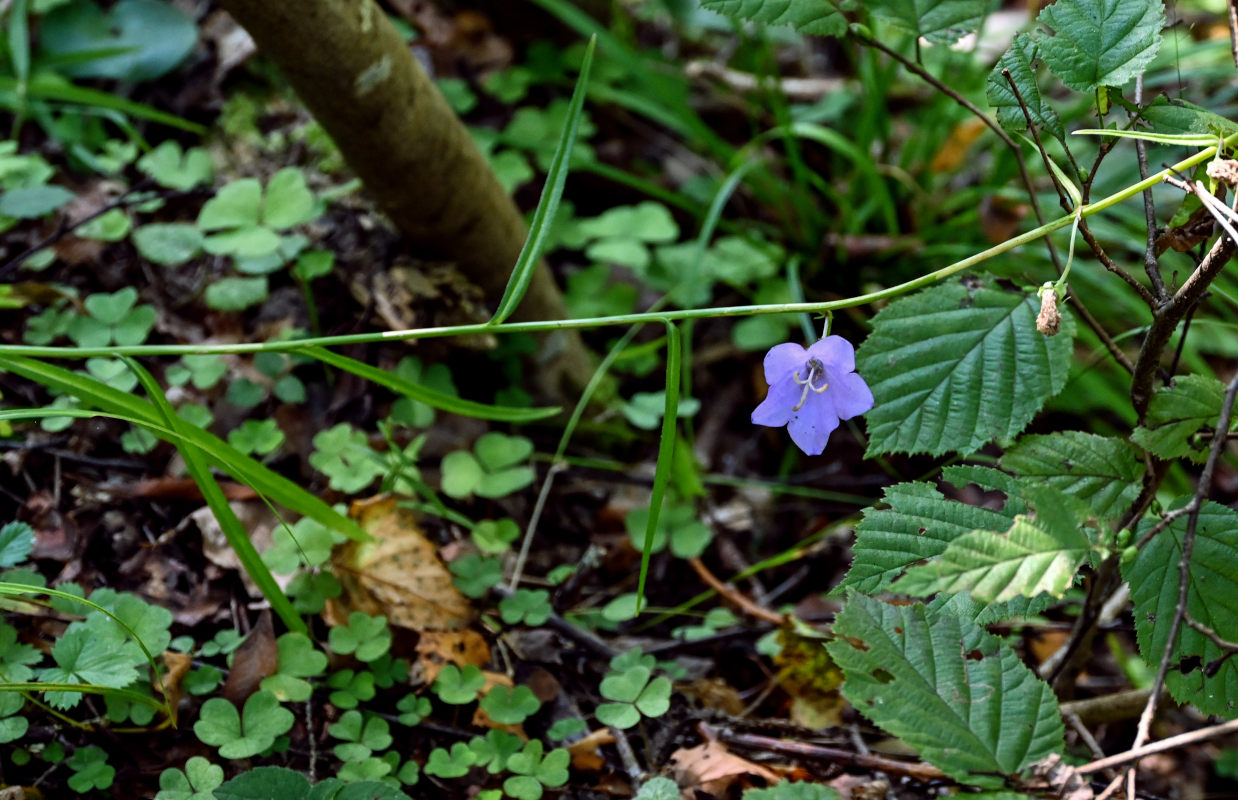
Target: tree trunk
361	82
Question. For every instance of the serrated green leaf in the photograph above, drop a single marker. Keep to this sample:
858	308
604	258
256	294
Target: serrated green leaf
1104	473
1211	593
1037	554
958	365
947	688
939	21
919	523
1101	42
818	17
966	606
1176	413
1020	60
1172	115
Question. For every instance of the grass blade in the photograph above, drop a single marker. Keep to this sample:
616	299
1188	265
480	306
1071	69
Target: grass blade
218	452
434	399
233	530
666	450
548	205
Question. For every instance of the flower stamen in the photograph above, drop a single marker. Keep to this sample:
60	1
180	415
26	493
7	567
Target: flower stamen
816	370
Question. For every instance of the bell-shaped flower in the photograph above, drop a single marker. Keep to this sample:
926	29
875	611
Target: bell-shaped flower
811	390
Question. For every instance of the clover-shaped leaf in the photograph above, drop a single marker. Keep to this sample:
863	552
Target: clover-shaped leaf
510	706
365	636
168	243
245	734
493	751
633	694
454	764
297	659
351	688
474	575
237	204
171	168
456	686
530	606
90	770
343	454
197	781
361	736
533	771
236	294
256	437
493	469
678	522
413	709
495	536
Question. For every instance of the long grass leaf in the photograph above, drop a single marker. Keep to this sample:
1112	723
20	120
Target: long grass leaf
666	450
548	205
233	530
430	397
218	452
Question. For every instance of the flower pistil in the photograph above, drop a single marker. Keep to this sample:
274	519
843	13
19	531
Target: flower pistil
815	369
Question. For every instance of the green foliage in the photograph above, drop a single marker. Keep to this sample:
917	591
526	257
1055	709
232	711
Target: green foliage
177	169
1020	60
1203	673
32	202
1102	472
197	781
792	790
633	692
494	468
298	659
361	736
87	652
112	319
135	40
495	536
659	788
535	771
343	454
475	575
90	770
168	243
1087	54
526	606
938	21
453	764
413	709
16	542
510	706
365	637
351	688
645	409
1178	412
823	17
918	524
245	734
958	365
457	686
965	701
1036	554
679	523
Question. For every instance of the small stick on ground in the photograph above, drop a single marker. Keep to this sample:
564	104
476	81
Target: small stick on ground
734	596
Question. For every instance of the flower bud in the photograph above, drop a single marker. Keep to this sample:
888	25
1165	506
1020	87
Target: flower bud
1049	320
1224	170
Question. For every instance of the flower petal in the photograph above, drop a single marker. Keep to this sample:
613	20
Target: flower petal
775	411
852	396
782	360
835	352
811	426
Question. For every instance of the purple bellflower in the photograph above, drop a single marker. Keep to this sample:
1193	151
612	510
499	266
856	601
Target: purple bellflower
811	391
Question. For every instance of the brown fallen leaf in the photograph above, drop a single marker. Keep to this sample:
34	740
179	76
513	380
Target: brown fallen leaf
585	755
438	648
399	574
178	665
255	659
712	768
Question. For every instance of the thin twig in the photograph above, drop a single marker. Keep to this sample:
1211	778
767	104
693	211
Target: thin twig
1233	29
1151	264
1203	734
1062	194
734	596
1086	232
816	752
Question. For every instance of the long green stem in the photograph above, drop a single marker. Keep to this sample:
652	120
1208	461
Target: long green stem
624	319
